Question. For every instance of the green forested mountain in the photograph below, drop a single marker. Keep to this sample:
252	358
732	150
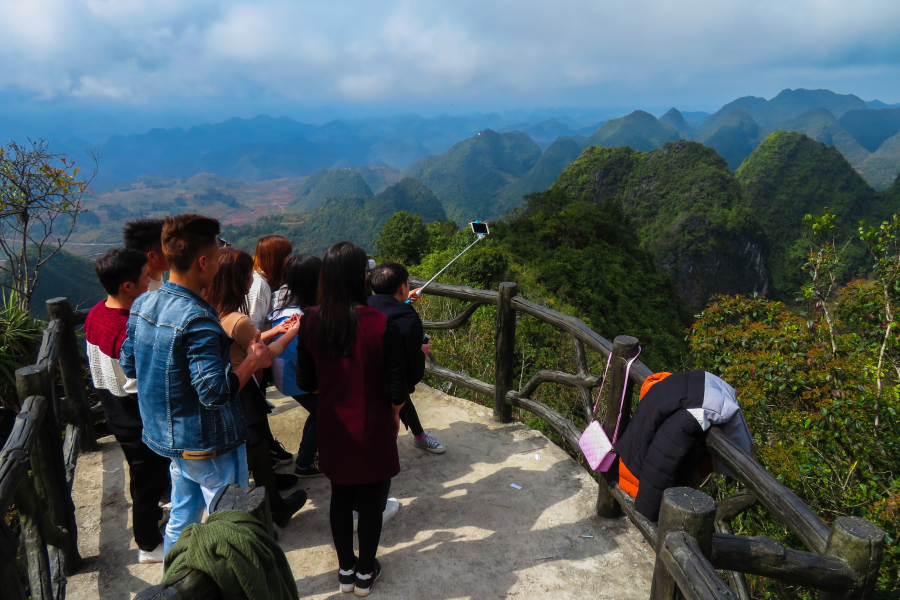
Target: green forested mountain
467	177
333	183
639	130
581	252
820	125
686	207
872	128
553	160
734	137
379	177
65	275
358	219
674	119
883	165
790	175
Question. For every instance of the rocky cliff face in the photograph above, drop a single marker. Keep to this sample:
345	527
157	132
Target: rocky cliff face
718	261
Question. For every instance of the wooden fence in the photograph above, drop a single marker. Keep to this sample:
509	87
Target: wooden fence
37	468
693	537
37	465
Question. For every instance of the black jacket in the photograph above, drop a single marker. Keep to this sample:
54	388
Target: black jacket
410	325
662	443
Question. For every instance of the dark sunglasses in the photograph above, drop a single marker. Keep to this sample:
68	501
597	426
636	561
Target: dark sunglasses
223	243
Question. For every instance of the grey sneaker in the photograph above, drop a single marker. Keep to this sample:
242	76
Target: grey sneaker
429	442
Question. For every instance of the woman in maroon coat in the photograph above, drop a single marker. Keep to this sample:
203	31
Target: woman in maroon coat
353	356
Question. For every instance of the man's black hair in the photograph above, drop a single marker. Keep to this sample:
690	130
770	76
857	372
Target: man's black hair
117	266
387	278
143	235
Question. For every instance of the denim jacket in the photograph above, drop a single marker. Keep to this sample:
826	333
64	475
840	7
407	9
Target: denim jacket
179	354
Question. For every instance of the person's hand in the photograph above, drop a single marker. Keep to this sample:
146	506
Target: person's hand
426	348
294	322
258	353
414	295
284	326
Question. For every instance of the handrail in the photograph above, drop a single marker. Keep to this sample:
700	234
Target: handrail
37	466
842	557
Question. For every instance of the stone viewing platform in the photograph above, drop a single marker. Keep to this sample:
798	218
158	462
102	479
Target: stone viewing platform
462	531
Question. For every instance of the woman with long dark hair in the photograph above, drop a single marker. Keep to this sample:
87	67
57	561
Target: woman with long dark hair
353	356
296	296
227	295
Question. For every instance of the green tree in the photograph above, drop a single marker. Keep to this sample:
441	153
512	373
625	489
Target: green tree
404	238
40	199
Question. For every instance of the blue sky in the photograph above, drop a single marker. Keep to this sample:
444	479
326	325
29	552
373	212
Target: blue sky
188	59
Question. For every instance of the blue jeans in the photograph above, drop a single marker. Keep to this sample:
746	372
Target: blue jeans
309	444
194	485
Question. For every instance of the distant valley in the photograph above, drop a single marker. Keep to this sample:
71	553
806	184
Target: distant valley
725	190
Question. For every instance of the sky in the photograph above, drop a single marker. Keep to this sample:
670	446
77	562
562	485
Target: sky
131	64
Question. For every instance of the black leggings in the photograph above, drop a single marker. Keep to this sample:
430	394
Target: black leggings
370	499
410	418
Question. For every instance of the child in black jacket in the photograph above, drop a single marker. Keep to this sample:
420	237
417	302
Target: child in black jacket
390	282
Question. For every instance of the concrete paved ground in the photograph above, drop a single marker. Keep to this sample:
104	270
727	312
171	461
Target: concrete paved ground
462	531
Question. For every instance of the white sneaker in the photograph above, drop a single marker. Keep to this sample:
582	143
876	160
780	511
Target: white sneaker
391	509
154	556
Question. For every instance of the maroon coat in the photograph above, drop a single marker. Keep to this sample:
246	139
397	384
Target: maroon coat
356	431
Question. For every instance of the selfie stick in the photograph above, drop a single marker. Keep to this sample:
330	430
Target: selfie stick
481	236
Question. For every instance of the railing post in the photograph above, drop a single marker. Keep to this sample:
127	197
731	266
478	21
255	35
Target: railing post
54	498
689	511
861	544
10	580
504	349
624	349
72	372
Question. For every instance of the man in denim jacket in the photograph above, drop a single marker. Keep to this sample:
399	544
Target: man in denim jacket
187	390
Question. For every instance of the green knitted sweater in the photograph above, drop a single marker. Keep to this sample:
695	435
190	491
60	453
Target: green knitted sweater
237	552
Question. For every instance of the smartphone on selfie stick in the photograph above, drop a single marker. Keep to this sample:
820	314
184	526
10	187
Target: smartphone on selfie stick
479	228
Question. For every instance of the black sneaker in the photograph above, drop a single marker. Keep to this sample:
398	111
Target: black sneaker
285	481
279	454
310	471
292	504
347	580
366	583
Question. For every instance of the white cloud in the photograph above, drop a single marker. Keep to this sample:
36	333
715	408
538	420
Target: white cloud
518	52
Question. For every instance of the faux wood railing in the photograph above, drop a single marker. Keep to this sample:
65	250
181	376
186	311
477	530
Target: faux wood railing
37	468
693	538
37	464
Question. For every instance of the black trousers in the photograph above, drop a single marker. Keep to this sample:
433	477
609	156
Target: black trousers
149	482
259	462
370	500
410	418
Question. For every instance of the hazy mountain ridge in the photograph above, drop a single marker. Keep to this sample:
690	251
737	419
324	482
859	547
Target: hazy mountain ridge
467	177
332	183
358	219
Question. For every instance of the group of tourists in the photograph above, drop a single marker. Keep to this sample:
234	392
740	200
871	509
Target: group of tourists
181	368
